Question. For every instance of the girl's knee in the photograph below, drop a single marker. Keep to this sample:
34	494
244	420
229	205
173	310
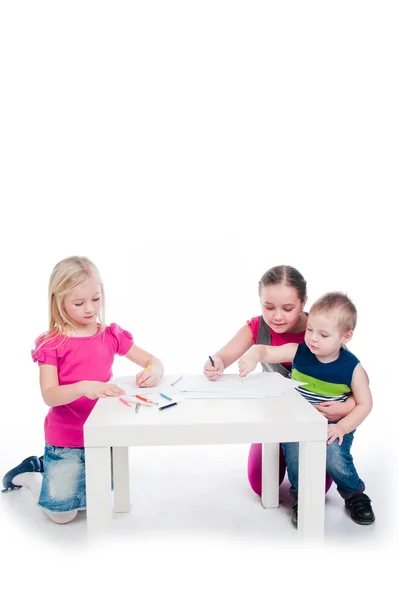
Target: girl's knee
254	468
62	518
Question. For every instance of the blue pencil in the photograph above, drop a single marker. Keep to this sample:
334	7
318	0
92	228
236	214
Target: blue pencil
164	396
168	405
177	380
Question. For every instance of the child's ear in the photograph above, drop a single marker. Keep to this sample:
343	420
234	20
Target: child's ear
347	336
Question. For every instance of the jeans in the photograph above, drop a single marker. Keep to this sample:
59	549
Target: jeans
339	465
64	479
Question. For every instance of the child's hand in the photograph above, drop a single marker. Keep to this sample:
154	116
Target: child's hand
215	372
247	362
335	431
333	411
98	389
148	379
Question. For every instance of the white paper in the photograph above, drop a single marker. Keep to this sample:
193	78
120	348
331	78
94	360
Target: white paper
127	383
255	385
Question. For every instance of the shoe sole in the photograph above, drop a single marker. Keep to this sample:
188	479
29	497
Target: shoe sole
363	522
360	522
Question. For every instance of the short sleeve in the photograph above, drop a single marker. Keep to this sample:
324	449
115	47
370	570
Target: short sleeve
254	325
45	354
123	339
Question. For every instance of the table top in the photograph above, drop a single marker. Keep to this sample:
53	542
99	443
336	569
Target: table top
288	417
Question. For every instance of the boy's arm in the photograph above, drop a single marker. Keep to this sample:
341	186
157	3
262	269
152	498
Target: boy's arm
266	354
334	411
364	402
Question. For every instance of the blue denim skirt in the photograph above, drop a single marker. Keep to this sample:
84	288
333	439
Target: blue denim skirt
64	479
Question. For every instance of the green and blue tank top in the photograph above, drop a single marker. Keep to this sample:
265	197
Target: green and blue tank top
325	382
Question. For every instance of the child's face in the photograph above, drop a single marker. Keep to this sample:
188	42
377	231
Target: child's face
323	335
84	304
281	306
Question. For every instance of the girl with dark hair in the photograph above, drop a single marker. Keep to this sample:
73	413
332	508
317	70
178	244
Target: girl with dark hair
283	294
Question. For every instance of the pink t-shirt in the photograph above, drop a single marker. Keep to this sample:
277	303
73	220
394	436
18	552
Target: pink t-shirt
277	339
78	359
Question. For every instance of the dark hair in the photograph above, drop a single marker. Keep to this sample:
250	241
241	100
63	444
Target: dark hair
287	275
347	318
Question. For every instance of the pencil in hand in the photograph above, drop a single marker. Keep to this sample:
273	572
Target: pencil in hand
143	372
212	362
216	369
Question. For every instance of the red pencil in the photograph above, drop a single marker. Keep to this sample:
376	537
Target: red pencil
143	399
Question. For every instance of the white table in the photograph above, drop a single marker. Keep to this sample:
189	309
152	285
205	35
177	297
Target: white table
287	418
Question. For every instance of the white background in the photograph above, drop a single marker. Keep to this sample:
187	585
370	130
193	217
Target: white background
186	147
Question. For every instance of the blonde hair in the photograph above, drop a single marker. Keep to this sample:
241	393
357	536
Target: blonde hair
67	276
347	313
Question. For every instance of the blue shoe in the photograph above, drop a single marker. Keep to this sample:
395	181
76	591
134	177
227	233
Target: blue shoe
32	464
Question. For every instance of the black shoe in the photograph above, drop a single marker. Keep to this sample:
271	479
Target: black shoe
294	515
32	464
360	509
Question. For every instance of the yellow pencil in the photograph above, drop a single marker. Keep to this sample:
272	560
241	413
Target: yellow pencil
144	371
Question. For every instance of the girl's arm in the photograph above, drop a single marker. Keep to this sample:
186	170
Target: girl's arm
266	354
334	411
364	402
57	395
142	358
229	353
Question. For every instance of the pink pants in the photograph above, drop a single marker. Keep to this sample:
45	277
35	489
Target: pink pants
254	469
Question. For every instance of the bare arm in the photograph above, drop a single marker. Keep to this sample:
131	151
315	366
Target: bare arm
143	358
364	402
229	353
237	346
334	411
363	398
266	354
58	395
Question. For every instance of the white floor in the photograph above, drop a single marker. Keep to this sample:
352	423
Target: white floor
196	528
192	507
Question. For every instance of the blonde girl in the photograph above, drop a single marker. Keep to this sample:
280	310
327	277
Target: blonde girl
75	358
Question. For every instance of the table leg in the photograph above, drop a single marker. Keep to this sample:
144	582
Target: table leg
121	487
270	475
311	499
98	489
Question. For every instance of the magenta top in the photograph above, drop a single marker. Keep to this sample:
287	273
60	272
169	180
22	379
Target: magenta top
278	339
79	359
